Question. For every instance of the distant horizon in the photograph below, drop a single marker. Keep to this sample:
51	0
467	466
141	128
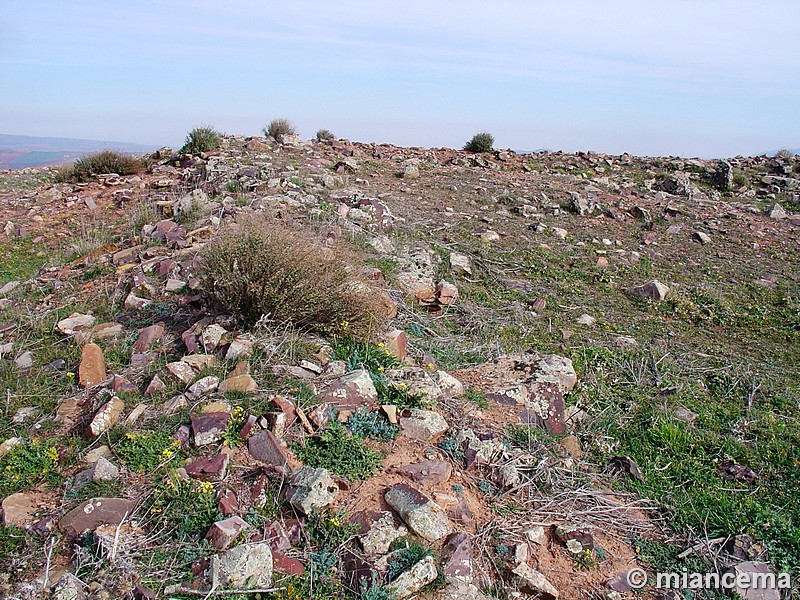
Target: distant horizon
93	145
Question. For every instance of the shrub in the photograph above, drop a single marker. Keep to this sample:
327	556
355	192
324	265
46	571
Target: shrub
278	128
201	139
100	163
340	452
480	142
259	267
785	154
325	135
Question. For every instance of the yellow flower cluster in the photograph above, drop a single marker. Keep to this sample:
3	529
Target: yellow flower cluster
205	488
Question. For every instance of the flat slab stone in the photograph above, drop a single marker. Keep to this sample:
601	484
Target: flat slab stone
98	511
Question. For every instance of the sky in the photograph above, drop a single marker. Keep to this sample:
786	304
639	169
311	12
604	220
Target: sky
674	77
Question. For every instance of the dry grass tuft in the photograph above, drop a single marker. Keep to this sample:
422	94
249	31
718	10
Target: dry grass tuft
259	266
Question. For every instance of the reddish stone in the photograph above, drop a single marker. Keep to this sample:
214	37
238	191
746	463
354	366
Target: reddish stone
120	384
285	565
208	469
148	336
228	504
224	533
427	471
266	448
89	515
457	556
92	369
244	432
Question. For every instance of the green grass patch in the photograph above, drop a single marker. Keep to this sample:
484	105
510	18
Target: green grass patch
144	451
26	465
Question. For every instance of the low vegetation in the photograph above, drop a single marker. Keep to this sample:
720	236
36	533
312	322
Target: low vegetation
259	267
480	142
101	163
340	452
324	135
277	128
201	139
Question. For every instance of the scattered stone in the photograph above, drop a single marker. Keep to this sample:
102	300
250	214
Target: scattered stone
628	466
244	384
75	323
354	388
427	472
653	290
248	566
460	264
413	580
224	533
97	511
23	414
149	336
266	448
423	424
106	417
748	571
446	293
96	454
18	510
208	428
92	369
210	468
777	212
397	343
382	530
533	582
702	237
24	361
684	414
490	236
459	590
620	582
181	371
570	533
457	558
202	387
101	470
426	518
585	319
239	348
311	489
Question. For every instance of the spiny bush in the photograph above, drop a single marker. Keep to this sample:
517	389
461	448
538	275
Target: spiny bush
100	163
201	139
480	142
279	127
325	135
259	266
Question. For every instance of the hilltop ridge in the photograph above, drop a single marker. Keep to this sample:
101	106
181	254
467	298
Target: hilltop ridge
586	364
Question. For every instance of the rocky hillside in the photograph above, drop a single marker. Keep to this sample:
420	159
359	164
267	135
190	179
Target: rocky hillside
586	365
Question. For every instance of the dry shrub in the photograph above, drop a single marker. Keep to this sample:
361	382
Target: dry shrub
101	163
259	266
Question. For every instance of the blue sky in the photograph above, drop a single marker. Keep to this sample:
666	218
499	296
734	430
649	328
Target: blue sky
693	78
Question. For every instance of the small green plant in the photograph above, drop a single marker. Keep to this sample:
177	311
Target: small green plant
201	139
278	128
145	451
480	142
330	529
406	557
373	590
101	163
740	178
371	425
26	464
450	447
184	507
325	135
231	437
474	396
363	355
398	394
340	452
584	559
